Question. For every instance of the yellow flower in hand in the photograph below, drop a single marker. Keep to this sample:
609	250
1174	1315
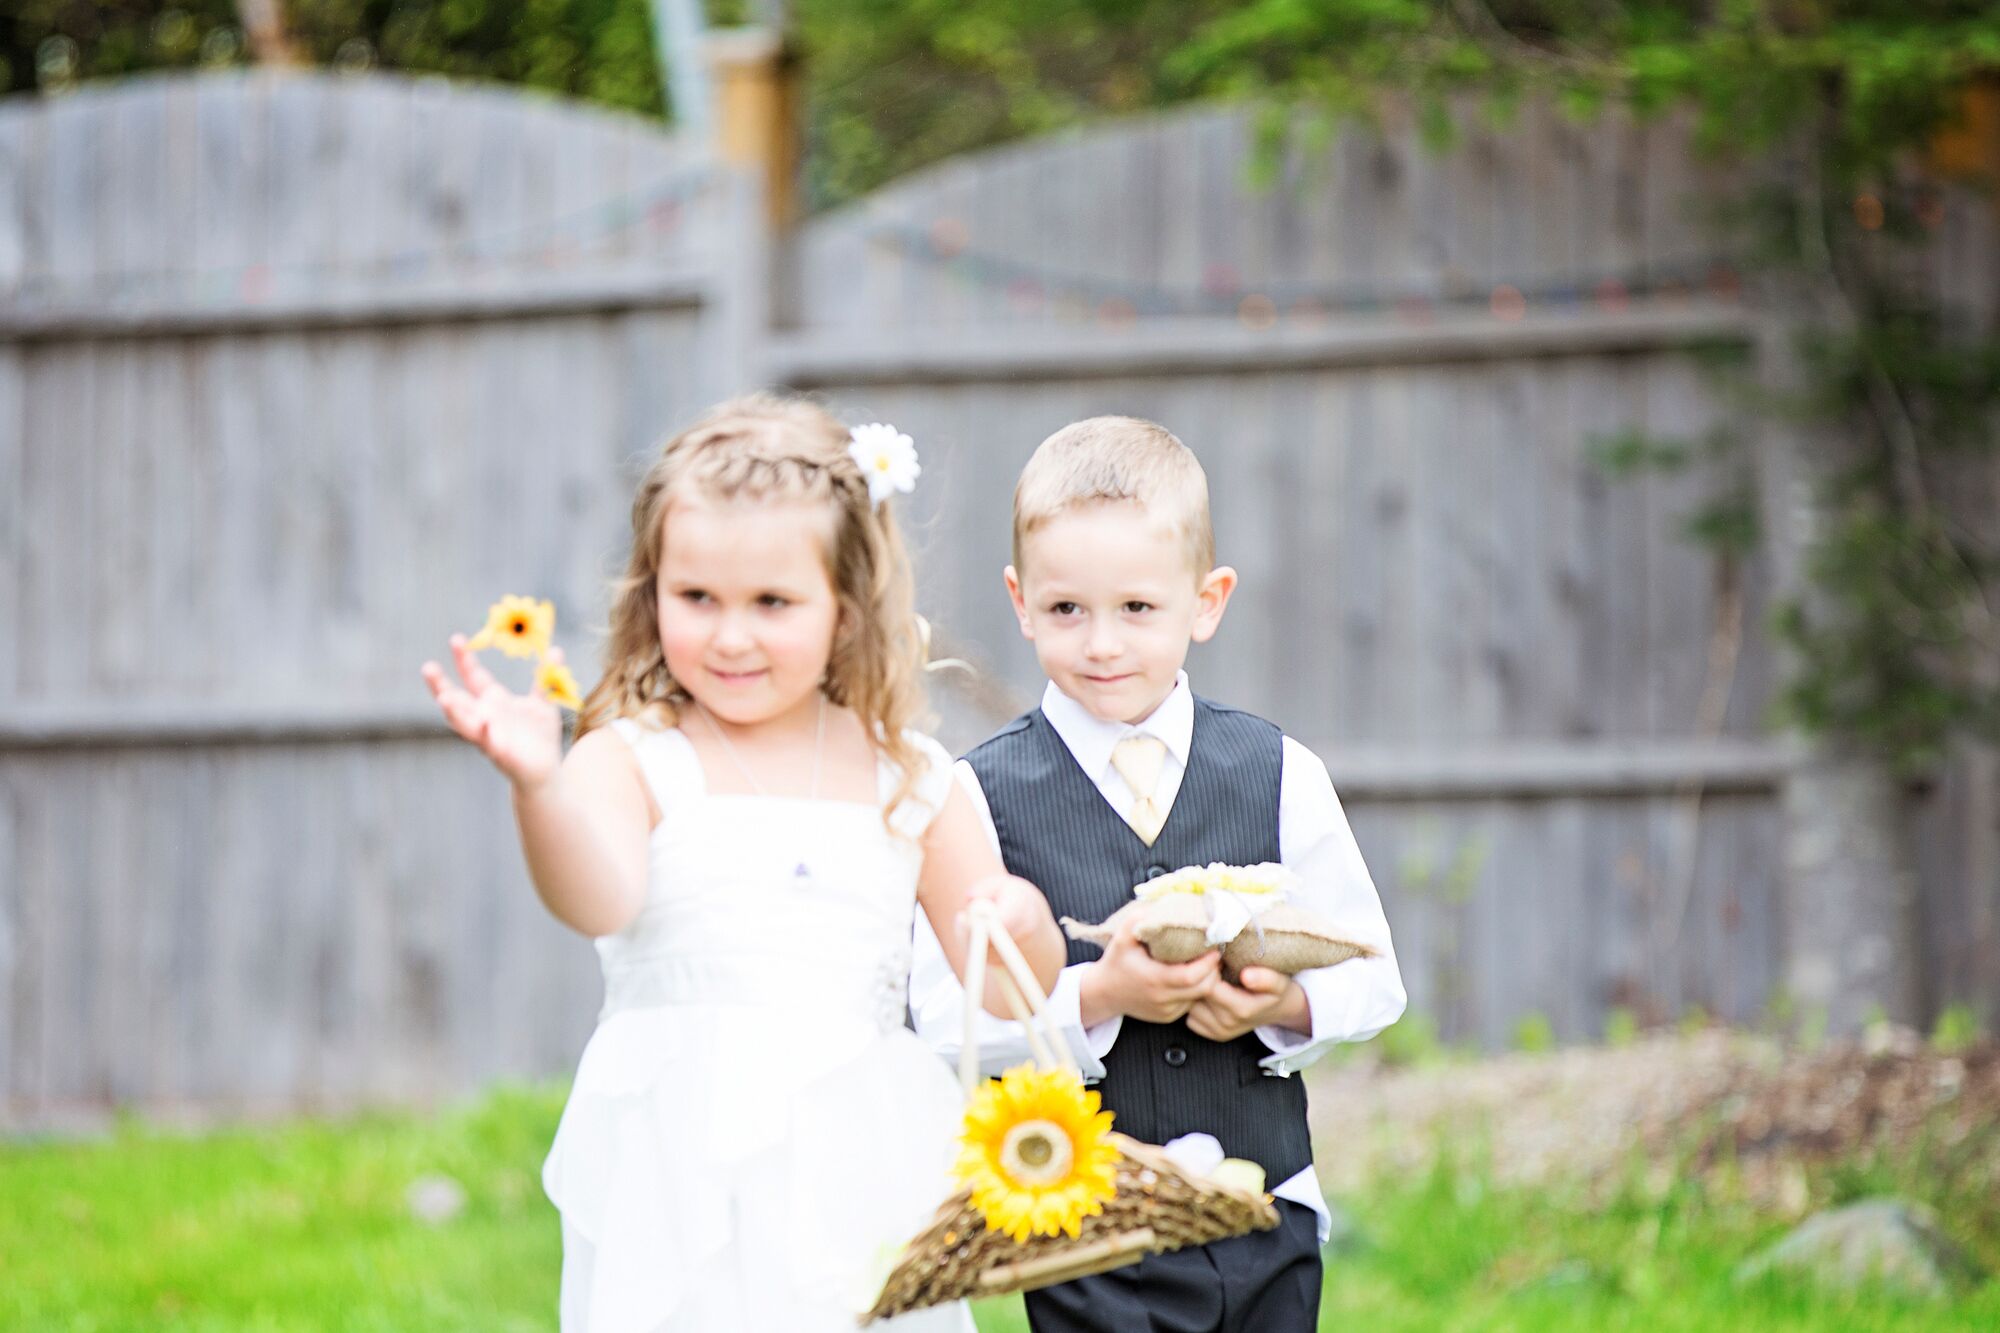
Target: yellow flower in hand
556	683
518	627
1037	1153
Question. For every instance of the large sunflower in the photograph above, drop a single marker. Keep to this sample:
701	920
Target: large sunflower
518	627
1036	1152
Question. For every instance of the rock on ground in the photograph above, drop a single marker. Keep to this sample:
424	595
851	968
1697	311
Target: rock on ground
1885	1241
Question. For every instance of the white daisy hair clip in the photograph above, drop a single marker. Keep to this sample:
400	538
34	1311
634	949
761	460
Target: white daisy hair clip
886	457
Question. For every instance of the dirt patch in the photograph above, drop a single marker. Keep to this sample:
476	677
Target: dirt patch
1703	1102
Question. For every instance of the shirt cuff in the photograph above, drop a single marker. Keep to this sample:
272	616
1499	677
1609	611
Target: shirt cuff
1283	1041
1002	1043
1066	1007
1350	1002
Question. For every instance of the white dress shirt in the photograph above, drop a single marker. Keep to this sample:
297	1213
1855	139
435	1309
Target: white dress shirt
1350	1002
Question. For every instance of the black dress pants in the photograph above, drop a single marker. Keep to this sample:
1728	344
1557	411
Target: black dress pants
1265	1282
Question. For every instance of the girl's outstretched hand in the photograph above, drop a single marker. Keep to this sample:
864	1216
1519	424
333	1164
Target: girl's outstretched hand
520	733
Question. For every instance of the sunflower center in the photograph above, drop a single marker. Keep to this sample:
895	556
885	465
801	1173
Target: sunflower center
1036	1152
520	627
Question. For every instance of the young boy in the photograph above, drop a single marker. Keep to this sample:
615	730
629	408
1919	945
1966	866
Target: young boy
1122	775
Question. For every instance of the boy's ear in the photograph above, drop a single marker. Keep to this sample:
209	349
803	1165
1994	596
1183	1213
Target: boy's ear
1020	602
1211	601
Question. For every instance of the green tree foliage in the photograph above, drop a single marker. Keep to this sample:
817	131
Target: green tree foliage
1753	67
601	50
895	84
890	84
50	44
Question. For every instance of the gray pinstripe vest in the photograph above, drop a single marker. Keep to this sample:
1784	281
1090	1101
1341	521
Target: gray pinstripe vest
1056	829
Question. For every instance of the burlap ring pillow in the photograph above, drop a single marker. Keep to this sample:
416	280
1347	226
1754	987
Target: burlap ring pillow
1176	913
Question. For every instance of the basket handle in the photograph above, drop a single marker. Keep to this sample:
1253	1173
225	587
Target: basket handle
1022	992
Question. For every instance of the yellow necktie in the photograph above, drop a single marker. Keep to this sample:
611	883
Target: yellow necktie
1137	759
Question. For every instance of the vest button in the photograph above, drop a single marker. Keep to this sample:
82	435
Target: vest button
1153	872
1175	1056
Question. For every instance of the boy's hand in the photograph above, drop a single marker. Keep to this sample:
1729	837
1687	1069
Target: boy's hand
1264	999
1128	980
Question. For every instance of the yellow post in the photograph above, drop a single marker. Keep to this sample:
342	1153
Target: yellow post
756	120
1970	146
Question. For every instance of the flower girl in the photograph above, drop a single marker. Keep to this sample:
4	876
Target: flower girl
746	823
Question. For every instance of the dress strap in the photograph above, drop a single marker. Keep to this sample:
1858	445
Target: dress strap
929	790
666	759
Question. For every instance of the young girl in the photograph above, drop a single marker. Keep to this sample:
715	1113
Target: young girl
744	824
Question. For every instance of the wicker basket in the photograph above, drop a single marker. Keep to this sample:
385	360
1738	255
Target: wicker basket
1158	1205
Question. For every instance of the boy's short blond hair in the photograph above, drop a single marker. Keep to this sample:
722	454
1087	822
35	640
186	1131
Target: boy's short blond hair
1108	459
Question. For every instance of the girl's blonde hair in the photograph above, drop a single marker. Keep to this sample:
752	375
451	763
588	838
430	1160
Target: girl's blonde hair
766	447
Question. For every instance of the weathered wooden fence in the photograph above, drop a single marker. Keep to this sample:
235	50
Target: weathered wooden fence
1393	365
1549	719
296	374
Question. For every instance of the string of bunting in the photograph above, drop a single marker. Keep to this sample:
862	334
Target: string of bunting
1031	288
659	209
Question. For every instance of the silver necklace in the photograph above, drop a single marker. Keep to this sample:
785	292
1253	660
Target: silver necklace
819	748
801	873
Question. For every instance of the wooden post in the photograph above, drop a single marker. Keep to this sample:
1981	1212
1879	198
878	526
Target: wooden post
756	122
1969	147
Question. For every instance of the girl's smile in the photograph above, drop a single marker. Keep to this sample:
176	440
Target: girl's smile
736	678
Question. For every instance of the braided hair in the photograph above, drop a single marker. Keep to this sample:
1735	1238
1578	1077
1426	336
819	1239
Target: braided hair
768	447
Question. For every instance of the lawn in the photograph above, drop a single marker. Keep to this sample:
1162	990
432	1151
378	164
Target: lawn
309	1226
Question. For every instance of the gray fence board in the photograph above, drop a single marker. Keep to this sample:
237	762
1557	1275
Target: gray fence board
14	516
297	373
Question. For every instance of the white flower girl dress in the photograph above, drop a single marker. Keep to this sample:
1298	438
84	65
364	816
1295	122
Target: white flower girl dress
751	1123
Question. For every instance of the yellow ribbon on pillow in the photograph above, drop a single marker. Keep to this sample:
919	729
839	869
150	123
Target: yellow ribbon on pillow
1234	895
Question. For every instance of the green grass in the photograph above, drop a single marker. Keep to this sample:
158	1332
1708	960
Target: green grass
1450	1251
299	1227
305	1226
